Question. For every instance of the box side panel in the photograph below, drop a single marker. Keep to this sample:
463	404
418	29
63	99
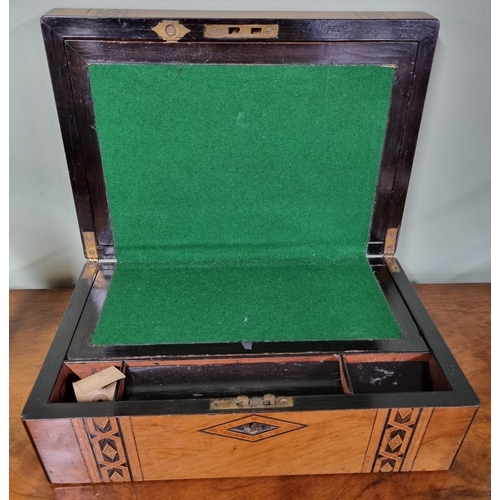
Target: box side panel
443	437
58	450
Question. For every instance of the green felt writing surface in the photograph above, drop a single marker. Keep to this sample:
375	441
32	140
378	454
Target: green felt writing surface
211	170
286	301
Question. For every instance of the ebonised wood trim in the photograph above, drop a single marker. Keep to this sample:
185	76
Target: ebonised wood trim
63	93
53	362
141	28
301	403
434	340
81	53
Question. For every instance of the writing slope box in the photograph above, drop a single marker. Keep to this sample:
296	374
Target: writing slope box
239	181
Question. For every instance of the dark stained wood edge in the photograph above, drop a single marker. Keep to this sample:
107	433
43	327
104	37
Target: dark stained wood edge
421	75
84	110
197	14
392	143
435	341
301	403
49	372
254	52
125	28
409	329
56	56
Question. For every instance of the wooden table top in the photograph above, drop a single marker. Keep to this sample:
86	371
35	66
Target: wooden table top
461	313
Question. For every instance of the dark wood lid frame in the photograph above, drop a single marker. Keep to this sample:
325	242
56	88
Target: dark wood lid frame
75	40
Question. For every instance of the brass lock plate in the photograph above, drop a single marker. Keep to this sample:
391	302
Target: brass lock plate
245	402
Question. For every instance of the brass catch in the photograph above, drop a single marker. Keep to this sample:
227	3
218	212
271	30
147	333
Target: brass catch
241	31
243	402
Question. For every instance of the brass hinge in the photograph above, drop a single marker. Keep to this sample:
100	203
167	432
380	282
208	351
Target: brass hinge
90	246
243	402
389	249
390	242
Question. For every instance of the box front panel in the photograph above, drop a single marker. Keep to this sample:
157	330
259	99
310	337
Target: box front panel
257	444
265	444
145	448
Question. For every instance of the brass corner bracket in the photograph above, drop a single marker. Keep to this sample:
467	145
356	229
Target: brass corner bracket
170	31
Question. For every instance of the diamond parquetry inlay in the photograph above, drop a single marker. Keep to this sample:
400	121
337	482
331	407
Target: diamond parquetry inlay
253	428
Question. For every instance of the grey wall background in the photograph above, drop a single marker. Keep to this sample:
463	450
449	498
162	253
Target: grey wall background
445	236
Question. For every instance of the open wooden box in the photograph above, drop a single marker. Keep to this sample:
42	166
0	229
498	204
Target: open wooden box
239	181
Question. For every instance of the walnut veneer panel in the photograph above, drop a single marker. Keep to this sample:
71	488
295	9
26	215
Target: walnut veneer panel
181	447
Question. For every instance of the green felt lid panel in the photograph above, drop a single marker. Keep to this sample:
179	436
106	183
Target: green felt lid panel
206	161
240	200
